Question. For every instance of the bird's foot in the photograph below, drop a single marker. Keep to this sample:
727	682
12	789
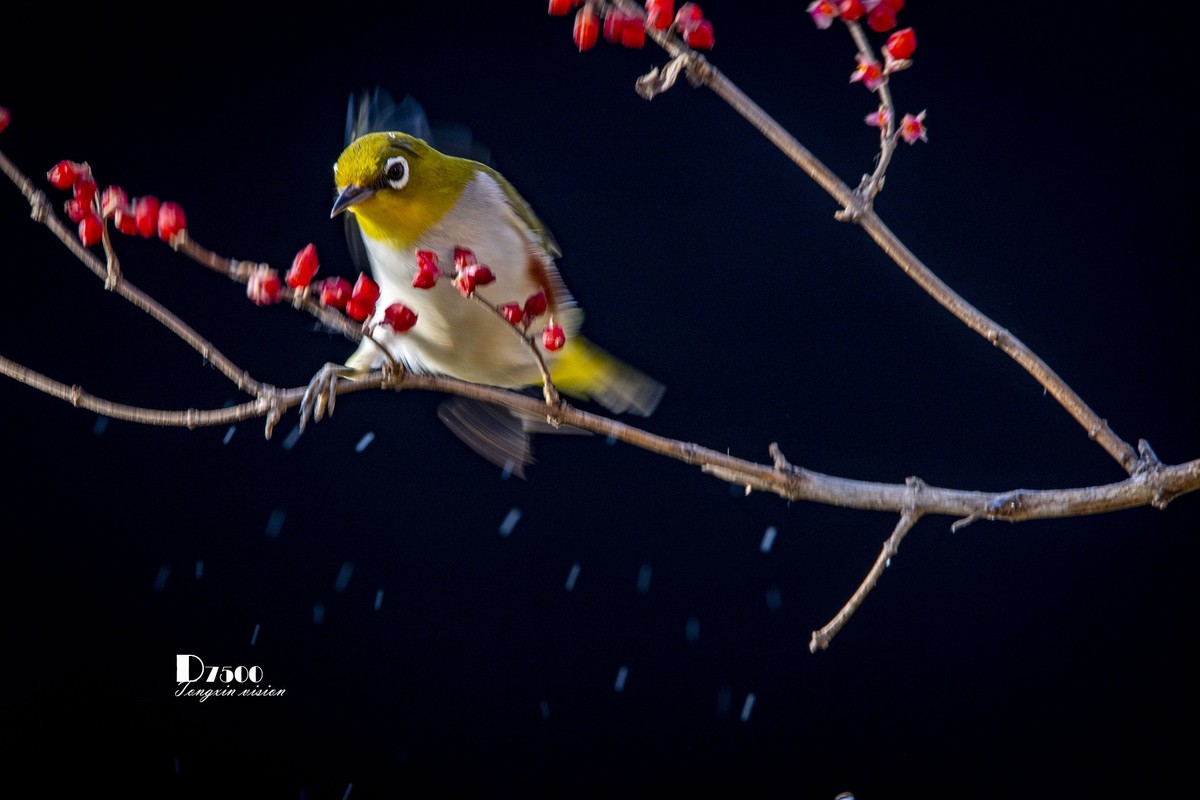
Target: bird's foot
321	394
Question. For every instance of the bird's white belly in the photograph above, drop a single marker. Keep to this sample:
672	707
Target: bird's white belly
455	335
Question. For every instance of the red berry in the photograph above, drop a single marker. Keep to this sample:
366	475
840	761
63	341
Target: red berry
535	305
427	259
587	28
5	116
90	229
335	292
365	289
112	198
881	18
264	286
614	20
425	278
64	174
399	317
902	43
483	274
659	13
304	267
358	309
560	8
464	257
688	17
75	210
465	283
171	220
513	313
701	37
85	190
145	209
633	35
851	10
553	337
467	279
125	221
895	5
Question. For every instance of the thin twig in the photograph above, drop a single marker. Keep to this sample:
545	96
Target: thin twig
821	638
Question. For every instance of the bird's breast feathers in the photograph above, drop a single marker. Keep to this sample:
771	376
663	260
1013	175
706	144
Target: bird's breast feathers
450	326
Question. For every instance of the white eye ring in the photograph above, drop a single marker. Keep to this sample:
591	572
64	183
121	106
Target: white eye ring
396	172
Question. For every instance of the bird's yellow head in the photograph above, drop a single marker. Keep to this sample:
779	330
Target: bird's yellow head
397	186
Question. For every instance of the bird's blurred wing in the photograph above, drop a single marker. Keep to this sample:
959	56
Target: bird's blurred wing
501	435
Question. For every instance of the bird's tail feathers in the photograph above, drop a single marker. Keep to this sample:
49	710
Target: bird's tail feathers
504	436
586	371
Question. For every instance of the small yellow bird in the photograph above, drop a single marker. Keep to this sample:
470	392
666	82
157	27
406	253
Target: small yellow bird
405	196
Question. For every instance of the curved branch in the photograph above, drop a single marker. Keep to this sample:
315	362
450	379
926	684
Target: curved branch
113	281
1154	485
856	207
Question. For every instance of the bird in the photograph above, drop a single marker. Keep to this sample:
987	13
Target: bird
401	195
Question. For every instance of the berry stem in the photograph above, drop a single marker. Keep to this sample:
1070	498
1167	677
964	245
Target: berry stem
549	391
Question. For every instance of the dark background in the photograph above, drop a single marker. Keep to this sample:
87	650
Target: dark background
1003	660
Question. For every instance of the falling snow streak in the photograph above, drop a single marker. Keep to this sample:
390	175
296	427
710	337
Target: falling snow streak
364	442
510	521
572	576
101	426
290	440
746	706
545	707
622	674
275	523
643	584
343	577
774	598
199	569
160	580
349	788
318	613
378	599
768	539
692	630
229	434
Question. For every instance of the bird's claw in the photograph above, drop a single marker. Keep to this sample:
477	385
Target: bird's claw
321	394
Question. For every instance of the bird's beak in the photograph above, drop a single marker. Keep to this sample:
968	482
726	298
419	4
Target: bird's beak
349	196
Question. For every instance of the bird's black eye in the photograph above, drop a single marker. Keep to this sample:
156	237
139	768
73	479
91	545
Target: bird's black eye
396	172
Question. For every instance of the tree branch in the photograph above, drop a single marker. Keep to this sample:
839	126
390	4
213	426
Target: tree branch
856	207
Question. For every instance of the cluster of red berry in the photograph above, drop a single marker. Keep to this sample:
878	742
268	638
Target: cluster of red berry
264	287
880	14
629	29
469	273
357	302
145	216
